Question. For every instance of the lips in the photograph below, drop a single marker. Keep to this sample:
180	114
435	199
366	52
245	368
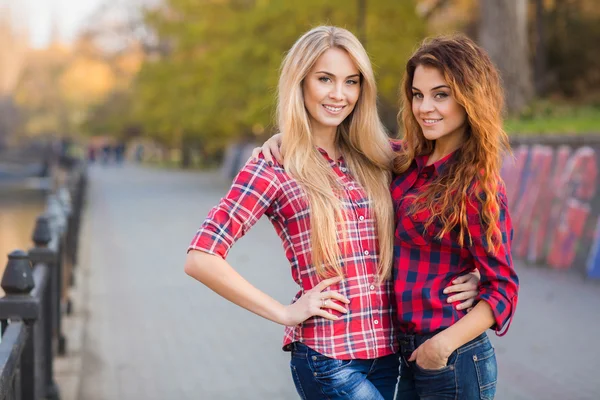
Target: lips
333	109
431	121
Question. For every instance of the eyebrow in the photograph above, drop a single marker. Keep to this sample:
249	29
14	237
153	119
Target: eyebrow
330	74
435	88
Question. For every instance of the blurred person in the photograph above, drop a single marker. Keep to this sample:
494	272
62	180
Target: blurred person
119	151
451	217
336	176
91	153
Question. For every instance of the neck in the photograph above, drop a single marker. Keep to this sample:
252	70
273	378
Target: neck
325	139
446	145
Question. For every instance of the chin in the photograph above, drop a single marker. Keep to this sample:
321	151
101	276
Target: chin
431	136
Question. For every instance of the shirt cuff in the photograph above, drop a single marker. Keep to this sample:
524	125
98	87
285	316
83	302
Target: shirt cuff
503	310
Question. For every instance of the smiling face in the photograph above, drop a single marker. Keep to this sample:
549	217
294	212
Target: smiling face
331	89
434	107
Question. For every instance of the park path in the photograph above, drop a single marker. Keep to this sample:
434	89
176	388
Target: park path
151	332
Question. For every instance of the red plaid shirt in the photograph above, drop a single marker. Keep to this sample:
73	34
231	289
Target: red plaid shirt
425	265
366	331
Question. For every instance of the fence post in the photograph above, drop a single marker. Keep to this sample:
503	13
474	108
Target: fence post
18	283
41	253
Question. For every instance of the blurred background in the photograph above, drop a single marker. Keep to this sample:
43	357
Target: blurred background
139	90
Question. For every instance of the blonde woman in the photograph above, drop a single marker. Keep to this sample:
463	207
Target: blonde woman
330	204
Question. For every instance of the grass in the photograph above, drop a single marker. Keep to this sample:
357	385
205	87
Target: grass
555	118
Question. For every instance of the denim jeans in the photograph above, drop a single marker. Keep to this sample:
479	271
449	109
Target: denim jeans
319	377
470	374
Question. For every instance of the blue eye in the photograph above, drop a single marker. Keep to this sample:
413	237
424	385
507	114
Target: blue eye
324	79
352	82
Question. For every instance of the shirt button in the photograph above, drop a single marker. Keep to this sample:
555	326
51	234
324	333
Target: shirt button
344	169
376	322
361	218
350	187
372	287
366	252
314	358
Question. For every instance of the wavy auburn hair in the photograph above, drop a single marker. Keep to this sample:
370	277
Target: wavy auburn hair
472	179
361	138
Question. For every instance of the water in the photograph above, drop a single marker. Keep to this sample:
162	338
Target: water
18	211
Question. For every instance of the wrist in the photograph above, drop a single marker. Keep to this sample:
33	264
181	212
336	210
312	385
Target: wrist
445	343
282	315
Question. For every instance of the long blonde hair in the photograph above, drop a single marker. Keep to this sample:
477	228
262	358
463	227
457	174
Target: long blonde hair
361	138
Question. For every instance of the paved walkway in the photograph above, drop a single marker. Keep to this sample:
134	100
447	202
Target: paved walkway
150	332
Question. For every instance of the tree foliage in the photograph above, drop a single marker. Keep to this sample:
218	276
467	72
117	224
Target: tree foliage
214	75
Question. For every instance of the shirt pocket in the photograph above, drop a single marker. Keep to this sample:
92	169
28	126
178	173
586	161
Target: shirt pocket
411	229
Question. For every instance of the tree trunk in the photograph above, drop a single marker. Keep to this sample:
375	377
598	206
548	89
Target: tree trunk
186	152
540	49
503	33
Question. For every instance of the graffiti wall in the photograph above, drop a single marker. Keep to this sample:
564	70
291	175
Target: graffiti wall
555	206
554	200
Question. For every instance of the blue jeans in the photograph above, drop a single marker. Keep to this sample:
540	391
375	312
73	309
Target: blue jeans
319	377
470	374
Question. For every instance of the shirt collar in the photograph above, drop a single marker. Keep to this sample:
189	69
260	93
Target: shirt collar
438	166
340	159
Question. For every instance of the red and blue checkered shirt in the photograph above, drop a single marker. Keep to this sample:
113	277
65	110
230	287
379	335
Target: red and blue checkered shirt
366	331
425	265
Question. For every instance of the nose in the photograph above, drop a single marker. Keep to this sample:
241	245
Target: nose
426	105
337	92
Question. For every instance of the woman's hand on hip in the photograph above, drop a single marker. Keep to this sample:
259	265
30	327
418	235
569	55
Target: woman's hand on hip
316	302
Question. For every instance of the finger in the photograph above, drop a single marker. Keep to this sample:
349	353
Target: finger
277	154
463	287
466	304
462	296
330	305
331	294
461	279
327	315
255	153
327	282
413	356
267	153
469	309
473	280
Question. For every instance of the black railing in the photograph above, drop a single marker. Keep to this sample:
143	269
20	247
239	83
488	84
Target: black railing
36	297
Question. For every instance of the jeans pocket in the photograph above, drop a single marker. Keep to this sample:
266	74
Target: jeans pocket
438	383
487	373
449	366
323	366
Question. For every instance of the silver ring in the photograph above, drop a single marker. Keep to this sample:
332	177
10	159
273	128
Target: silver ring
323	302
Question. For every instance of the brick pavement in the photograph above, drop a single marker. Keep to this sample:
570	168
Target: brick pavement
151	332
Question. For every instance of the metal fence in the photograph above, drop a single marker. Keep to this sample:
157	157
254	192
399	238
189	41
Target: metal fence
36	286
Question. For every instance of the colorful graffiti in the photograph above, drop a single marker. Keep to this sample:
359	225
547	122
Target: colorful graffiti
554	207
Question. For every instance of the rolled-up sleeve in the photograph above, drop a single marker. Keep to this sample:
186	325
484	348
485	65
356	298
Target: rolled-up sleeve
252	194
499	283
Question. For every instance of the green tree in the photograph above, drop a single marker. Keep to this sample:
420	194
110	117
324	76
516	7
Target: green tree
214	76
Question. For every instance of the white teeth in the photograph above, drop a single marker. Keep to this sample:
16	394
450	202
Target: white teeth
431	121
333	109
